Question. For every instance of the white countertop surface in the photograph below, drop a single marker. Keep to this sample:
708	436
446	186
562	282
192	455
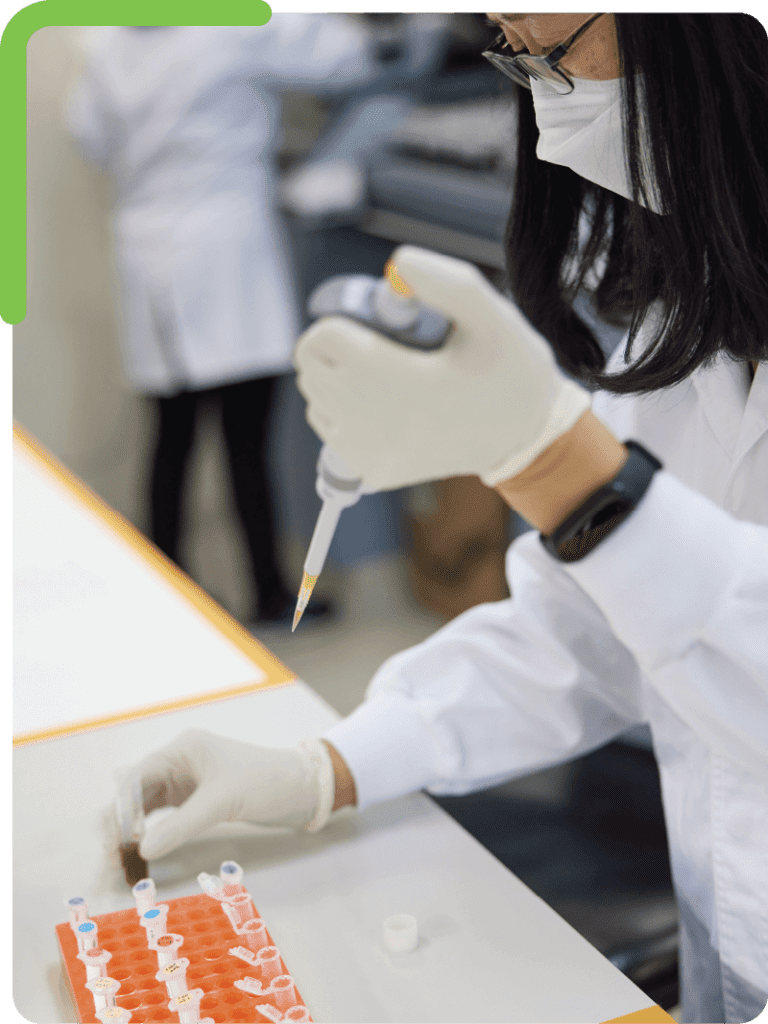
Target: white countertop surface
490	950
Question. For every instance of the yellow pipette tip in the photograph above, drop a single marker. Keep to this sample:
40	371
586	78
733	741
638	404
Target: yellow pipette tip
305	592
397	284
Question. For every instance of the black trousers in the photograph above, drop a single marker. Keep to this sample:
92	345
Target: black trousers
244	409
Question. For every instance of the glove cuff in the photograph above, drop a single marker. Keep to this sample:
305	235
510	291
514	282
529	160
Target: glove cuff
325	782
569	406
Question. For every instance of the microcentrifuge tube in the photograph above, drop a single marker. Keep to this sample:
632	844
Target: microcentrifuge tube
174	975
104	991
284	991
95	960
401	933
114	1015
270	1012
244	954
231	872
297	1015
239	909
254	934
211	885
187	1006
153	921
268	959
166	947
78	910
250	985
144	894
87	935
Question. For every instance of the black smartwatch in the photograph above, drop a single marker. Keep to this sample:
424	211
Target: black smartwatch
604	510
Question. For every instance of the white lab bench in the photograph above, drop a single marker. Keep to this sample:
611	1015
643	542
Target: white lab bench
116	653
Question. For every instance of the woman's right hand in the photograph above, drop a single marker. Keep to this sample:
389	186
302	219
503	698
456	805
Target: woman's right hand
210	779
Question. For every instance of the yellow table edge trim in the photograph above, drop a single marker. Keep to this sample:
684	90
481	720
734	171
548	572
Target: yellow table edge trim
277	673
179	704
650	1015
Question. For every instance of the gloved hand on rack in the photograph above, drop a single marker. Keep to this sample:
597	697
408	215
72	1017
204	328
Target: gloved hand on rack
210	779
487	403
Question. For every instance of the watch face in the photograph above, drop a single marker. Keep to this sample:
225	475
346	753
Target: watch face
604	510
612	507
572	548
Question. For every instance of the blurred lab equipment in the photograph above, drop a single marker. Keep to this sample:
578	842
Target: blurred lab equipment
329	186
185	121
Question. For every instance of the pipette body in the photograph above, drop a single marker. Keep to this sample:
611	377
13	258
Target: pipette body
388	306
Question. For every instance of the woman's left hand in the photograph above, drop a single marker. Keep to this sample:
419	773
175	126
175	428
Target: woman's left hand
487	403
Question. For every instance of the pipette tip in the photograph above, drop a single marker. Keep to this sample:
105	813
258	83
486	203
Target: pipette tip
305	592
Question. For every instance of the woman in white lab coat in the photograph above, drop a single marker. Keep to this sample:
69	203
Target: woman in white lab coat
186	122
645	598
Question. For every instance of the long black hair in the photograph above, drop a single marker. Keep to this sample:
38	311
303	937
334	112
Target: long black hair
700	83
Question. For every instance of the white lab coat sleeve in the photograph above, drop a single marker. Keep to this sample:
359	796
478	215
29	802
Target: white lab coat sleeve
684	586
314	52
88	121
503	690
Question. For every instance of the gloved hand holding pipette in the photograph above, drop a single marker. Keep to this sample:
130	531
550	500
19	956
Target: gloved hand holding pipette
387	305
485	397
487	402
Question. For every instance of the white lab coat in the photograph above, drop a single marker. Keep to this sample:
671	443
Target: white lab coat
666	622
184	121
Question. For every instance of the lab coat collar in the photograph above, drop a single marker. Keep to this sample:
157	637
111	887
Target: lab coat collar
736	412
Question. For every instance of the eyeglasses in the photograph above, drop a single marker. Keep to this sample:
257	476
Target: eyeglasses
522	67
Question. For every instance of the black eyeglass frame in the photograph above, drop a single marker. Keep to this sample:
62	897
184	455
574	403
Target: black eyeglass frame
516	66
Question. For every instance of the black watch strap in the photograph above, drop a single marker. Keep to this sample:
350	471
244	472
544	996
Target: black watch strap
604	510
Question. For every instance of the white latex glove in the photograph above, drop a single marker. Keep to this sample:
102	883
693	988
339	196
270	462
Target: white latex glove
487	403
210	779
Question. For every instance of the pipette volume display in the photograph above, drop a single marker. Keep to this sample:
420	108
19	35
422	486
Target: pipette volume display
386	305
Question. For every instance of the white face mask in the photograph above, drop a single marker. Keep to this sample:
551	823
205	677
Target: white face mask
583	130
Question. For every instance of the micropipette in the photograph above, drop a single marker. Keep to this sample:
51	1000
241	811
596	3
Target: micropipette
386	305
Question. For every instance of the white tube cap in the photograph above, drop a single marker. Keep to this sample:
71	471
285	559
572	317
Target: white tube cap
114	1015
401	933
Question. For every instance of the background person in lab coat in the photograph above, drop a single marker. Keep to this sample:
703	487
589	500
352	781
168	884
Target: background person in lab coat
185	120
648	185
